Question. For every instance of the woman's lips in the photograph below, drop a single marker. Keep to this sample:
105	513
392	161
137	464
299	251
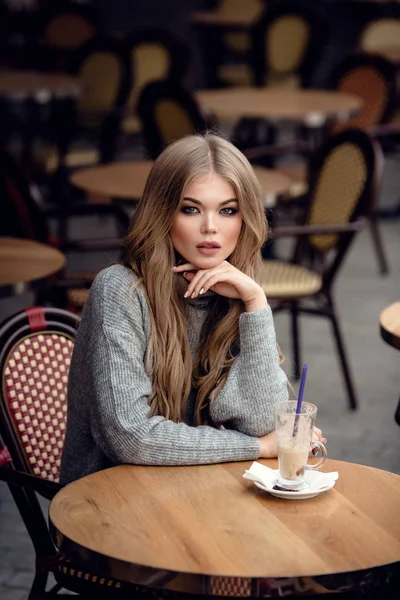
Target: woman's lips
210	250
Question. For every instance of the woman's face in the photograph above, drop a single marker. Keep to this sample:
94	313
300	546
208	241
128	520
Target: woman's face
207	227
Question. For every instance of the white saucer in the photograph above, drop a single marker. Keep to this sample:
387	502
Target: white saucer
310	491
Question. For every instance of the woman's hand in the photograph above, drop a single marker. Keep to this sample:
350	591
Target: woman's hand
317	437
269	447
226	280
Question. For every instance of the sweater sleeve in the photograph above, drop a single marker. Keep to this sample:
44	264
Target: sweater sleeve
256	381
119	413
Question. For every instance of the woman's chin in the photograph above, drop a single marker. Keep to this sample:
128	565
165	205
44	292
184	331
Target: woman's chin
206	263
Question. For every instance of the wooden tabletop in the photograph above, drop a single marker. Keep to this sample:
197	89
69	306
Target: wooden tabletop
389	321
25	260
313	107
203	523
21	84
115	180
237	20
127	179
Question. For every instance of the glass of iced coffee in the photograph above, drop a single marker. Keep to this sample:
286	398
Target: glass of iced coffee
294	438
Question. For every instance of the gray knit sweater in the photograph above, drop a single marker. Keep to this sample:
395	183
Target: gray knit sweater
108	419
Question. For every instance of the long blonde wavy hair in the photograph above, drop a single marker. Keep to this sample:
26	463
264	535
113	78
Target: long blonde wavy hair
150	254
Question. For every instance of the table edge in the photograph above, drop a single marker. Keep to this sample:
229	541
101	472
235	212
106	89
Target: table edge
197	583
200	583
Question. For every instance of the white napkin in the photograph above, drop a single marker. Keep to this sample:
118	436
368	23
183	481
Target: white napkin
267	477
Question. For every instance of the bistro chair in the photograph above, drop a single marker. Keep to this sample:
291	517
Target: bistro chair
65	27
236	44
105	72
36	347
167	112
286	44
373	79
345	175
379	33
155	54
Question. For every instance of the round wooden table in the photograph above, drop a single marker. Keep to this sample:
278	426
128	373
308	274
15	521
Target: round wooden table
25	260
389	321
226	20
127	180
312	107
24	84
193	529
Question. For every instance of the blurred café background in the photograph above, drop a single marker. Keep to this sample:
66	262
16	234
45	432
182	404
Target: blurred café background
90	94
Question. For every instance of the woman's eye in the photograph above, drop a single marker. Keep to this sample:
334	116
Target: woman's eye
189	210
229	211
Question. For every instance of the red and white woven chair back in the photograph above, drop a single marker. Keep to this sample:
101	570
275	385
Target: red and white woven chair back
35	391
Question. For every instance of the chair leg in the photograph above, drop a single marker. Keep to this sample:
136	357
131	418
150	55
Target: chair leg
343	360
377	241
294	312
38	589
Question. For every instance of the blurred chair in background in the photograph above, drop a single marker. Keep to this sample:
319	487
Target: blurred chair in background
155	55
65	27
286	45
167	112
90	134
373	79
36	347
345	175
237	44
378	34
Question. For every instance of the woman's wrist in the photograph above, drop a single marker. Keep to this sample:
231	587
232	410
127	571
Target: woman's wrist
268	447
258	302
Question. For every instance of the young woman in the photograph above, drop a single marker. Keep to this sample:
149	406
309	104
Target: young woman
176	360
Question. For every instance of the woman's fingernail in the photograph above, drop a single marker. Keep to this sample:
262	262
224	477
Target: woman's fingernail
193	295
173	268
186	294
184	274
201	291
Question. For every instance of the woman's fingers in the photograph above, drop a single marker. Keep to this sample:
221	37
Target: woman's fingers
317	437
204	280
184	267
318	432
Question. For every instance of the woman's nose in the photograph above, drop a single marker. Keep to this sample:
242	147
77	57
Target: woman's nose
208	225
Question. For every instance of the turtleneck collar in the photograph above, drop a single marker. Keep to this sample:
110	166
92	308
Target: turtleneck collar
201	302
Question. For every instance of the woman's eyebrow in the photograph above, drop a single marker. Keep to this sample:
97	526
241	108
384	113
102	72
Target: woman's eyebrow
220	204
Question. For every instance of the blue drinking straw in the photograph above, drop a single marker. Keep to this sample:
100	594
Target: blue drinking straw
300	399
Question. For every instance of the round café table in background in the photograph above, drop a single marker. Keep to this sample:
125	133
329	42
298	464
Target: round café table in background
20	85
232	21
192	529
127	180
389	322
311	107
22	261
